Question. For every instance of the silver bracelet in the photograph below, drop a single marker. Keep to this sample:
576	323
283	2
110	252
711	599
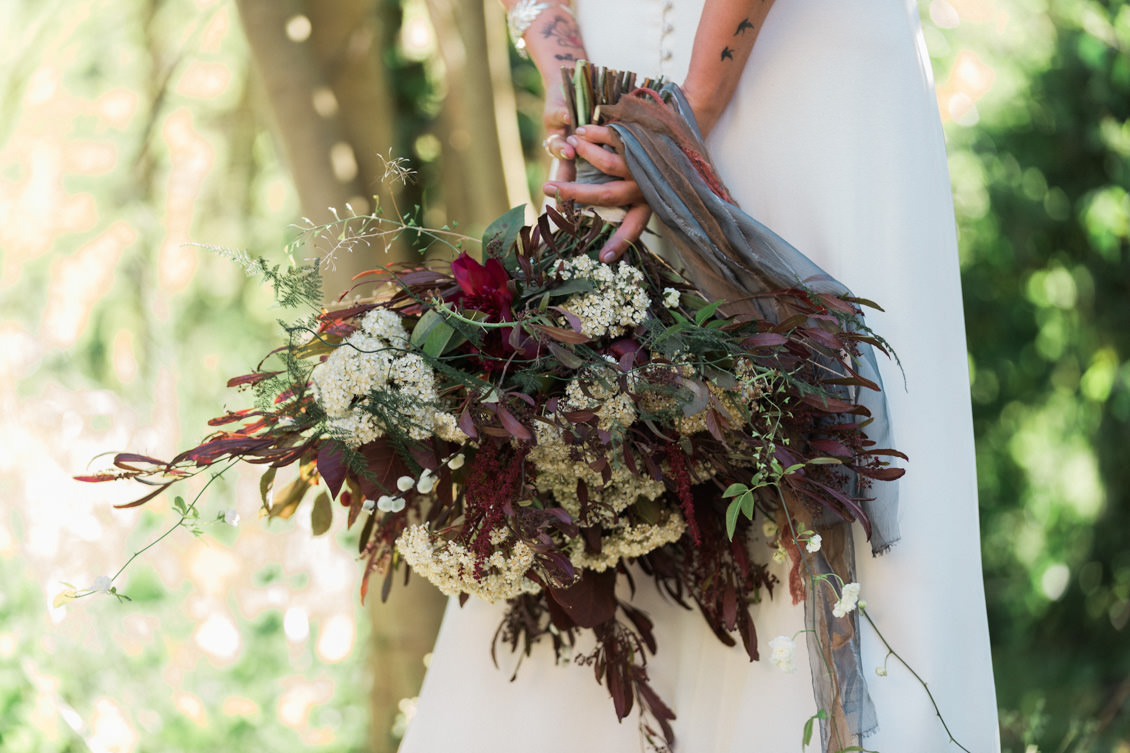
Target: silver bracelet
521	16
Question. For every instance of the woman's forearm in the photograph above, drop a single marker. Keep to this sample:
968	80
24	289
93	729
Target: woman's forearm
726	32
552	39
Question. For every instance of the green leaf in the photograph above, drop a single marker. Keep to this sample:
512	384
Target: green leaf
732	513
322	515
432	335
808	725
63	597
734	490
746	502
706	312
824	461
501	234
266	481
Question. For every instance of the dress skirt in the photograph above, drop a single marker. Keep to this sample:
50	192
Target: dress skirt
832	140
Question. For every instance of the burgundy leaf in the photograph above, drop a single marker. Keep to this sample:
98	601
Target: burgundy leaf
591	600
253	378
765	340
467	425
512	425
331	466
561	334
831	447
146	498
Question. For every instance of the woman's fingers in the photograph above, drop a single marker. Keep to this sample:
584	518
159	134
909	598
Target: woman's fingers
597	134
628	233
616	193
555	118
558	147
602	158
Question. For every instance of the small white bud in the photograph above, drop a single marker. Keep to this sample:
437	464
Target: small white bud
769	528
404	483
102	583
813	544
231	517
456	462
426	483
369	505
385	503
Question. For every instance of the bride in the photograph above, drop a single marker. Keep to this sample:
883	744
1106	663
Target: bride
821	119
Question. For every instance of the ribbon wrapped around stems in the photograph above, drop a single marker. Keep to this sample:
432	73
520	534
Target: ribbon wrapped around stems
728	255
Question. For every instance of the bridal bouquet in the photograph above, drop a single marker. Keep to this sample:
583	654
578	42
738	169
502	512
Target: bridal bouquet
544	429
525	428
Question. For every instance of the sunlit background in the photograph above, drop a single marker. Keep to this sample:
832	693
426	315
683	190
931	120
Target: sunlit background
130	128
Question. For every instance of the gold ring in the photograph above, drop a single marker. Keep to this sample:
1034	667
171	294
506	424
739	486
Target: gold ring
548	142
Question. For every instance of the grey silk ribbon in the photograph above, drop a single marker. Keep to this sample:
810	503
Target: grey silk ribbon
724	250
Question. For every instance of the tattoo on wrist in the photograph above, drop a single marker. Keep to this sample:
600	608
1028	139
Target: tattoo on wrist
744	26
727	53
564	30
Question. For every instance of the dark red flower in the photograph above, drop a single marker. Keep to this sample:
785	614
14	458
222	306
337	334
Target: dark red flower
483	287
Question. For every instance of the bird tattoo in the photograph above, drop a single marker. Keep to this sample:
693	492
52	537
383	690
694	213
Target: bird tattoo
727	53
744	26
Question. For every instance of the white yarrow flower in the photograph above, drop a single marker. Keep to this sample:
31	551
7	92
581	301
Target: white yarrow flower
783	650
849	599
813	544
102	583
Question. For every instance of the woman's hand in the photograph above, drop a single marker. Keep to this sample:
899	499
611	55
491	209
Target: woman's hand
588	143
555	119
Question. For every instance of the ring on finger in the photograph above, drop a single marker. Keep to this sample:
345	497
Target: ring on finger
551	142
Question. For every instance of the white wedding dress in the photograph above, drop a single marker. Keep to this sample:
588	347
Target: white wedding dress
833	141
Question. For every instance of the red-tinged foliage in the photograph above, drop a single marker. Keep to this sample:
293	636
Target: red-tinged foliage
500	379
252	378
331	466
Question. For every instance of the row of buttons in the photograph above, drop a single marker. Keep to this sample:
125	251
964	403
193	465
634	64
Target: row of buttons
665	53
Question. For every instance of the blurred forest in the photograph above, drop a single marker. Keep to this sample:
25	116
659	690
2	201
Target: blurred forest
131	129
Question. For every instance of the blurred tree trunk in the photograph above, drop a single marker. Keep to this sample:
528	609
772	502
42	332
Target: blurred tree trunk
321	65
333	112
483	171
335	120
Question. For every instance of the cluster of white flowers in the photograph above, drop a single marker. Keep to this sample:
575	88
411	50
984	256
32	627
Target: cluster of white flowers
612	407
451	566
628	541
783	649
618	301
558	472
374	359
849	598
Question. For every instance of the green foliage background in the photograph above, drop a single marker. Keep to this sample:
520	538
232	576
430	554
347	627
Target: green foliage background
1040	158
1041	183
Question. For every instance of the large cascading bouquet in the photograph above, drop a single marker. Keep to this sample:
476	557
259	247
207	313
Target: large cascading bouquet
537	427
